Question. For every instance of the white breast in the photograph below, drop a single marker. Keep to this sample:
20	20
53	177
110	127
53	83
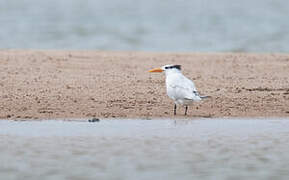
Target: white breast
181	89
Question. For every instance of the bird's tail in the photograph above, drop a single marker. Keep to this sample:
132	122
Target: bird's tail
205	97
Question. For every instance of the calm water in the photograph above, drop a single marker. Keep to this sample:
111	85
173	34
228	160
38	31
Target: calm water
148	25
145	149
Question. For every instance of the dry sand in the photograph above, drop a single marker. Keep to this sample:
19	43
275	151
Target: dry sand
84	84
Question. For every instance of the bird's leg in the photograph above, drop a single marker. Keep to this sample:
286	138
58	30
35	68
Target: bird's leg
186	110
175	110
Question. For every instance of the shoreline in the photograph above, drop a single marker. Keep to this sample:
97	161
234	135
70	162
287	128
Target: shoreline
48	84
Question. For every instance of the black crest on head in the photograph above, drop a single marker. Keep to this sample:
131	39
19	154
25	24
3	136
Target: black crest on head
174	66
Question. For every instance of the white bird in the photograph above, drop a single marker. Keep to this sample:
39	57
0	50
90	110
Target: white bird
179	88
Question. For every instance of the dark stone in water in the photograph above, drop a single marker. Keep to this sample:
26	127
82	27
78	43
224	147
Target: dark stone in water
94	120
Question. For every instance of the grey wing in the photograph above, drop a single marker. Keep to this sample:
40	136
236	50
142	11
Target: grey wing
185	88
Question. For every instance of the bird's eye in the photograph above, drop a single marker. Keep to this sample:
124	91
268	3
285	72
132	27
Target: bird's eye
166	67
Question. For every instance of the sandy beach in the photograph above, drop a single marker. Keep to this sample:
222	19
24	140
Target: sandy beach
36	84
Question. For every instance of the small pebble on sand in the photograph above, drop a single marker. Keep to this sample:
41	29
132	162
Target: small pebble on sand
93	120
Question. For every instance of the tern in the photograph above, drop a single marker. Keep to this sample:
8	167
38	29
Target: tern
179	88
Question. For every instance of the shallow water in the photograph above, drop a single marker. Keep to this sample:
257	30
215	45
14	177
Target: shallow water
199	25
145	149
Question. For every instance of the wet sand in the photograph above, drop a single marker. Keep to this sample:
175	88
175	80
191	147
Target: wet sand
145	149
83	84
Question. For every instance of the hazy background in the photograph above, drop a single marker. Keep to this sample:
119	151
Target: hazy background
146	25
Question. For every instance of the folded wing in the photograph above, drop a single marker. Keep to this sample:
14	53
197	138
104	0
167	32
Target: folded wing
184	88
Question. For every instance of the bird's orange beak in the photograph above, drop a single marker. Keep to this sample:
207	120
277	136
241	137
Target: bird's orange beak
156	70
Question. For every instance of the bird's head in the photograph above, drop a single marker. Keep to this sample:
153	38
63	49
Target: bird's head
167	68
